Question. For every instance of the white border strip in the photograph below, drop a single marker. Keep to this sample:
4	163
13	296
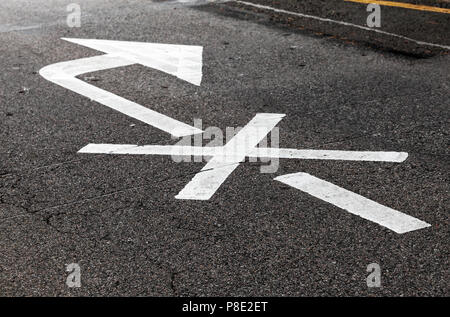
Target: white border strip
259	6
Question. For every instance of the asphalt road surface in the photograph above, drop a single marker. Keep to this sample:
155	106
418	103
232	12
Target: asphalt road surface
116	216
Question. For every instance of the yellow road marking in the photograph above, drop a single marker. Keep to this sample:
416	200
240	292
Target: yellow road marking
403	5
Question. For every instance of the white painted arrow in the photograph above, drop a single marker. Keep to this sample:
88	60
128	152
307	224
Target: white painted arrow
185	62
182	61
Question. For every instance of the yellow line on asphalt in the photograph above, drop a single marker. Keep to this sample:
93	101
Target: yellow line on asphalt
404	5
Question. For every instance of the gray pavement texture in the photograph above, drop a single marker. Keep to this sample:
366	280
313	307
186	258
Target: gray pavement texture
430	27
116	216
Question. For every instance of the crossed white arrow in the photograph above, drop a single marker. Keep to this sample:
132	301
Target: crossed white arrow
185	62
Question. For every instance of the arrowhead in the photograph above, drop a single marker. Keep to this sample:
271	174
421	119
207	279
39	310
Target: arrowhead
182	61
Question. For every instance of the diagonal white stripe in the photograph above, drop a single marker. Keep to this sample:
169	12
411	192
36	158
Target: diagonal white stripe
353	203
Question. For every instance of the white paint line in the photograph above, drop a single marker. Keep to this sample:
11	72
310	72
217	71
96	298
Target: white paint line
353	203
259	6
178	150
330	155
12	28
219	168
182	61
205	183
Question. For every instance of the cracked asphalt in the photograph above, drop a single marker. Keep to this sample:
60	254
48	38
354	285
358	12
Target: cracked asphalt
116	216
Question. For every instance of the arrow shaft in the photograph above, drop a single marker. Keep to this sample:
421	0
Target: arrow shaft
64	74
